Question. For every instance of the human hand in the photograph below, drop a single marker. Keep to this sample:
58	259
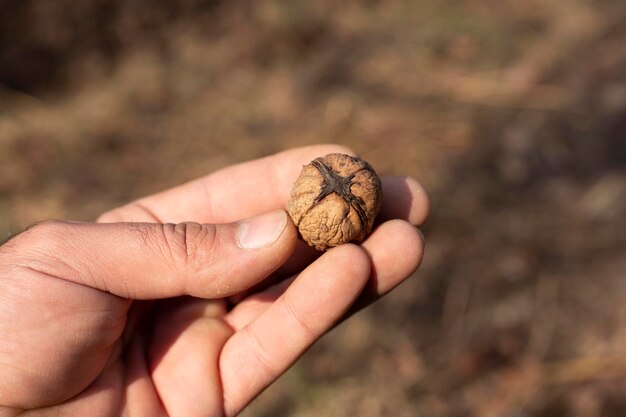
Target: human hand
186	319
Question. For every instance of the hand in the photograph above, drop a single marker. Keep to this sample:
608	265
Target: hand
186	319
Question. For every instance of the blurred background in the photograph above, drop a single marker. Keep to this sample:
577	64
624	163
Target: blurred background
512	114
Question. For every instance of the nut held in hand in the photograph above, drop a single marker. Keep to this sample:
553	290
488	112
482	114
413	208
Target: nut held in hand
335	200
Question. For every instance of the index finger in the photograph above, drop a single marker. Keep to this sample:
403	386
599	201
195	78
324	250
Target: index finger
248	189
232	193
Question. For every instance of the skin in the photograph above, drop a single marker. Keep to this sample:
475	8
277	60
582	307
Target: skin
147	314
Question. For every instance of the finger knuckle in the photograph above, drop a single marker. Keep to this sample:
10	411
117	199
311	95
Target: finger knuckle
307	328
35	247
264	359
188	244
45	235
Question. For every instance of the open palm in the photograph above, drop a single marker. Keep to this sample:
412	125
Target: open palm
146	314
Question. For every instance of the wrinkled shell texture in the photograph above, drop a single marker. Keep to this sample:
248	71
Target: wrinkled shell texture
335	200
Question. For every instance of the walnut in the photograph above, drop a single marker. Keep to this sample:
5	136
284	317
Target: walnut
335	200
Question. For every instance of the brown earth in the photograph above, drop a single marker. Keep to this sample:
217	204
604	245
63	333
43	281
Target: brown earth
512	114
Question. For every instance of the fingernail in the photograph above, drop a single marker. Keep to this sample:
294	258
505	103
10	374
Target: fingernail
261	231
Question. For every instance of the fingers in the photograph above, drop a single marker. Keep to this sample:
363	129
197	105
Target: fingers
230	194
257	354
147	261
252	306
404	198
396	249
275	326
184	354
255	187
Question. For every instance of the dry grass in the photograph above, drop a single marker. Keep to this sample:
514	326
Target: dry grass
511	113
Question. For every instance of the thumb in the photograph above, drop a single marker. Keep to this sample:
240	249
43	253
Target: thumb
148	260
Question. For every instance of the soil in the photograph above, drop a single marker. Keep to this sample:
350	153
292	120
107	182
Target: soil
512	114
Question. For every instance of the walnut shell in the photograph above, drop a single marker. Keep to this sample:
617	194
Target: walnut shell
335	200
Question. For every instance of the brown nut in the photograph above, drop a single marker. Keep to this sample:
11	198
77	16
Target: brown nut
335	200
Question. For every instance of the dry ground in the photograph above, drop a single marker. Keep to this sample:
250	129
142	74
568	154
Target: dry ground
513	115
